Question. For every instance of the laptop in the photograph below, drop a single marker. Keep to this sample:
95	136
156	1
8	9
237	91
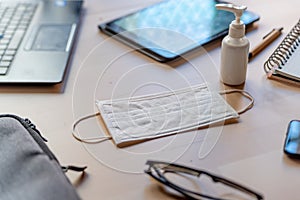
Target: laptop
36	39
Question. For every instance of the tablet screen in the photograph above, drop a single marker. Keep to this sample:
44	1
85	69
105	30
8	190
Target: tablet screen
173	27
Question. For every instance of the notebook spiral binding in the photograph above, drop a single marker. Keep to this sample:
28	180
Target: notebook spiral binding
283	52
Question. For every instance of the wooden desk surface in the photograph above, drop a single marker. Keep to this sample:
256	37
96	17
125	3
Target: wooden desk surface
249	151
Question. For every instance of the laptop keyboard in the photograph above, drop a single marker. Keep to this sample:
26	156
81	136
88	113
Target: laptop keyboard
14	21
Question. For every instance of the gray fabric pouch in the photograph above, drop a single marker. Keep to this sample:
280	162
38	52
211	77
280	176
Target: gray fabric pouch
28	169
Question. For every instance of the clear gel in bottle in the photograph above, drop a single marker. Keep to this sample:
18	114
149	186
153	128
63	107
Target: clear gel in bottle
235	48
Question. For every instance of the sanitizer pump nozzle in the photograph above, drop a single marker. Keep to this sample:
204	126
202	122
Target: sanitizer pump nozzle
235	48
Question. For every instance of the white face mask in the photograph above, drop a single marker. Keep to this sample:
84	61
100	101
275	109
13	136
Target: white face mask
147	117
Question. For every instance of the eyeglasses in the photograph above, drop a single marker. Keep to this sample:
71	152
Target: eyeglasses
178	177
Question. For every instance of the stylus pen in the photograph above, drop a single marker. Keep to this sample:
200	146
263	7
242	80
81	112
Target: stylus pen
268	39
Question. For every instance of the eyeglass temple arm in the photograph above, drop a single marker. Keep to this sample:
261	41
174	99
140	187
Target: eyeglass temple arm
197	173
235	185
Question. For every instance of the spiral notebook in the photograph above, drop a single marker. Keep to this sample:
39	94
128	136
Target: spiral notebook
284	63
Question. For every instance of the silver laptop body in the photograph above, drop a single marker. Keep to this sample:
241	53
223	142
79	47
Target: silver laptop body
36	39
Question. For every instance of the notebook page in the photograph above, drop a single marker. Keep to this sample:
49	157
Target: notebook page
292	66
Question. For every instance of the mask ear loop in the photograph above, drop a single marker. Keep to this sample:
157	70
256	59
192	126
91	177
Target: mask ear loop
91	140
245	94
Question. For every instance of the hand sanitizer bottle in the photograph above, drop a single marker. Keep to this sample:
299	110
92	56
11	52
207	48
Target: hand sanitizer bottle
235	48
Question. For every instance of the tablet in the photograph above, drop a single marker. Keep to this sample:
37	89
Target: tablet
169	29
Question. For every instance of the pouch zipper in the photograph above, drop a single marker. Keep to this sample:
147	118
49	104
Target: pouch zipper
33	127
